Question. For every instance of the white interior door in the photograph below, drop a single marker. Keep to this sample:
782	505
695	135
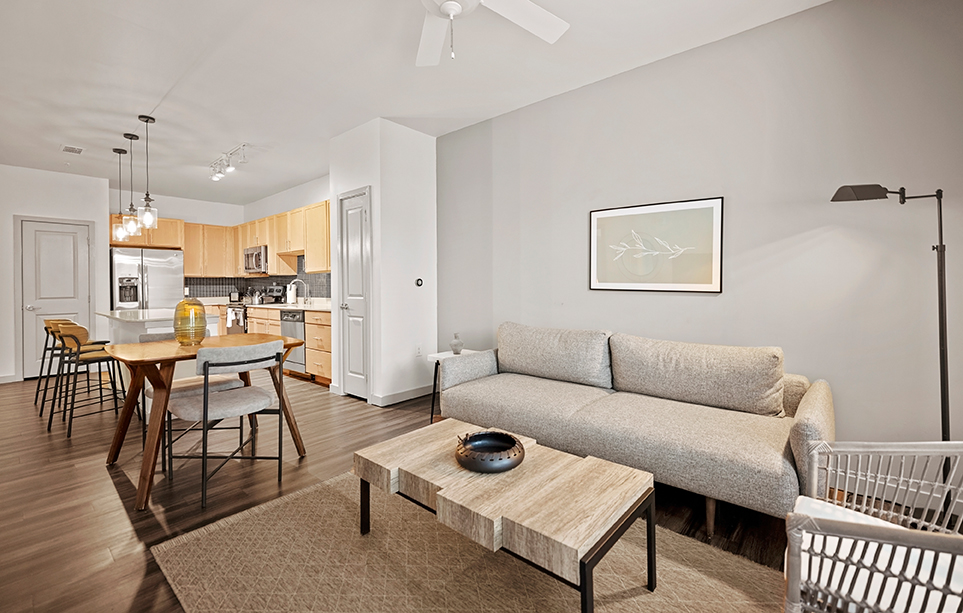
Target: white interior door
355	285
55	269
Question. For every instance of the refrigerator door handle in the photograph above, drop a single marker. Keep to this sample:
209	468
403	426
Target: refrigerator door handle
145	298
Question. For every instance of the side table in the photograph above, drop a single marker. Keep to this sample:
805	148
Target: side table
437	358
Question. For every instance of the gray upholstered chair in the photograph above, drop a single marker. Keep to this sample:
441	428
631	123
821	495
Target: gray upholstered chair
210	407
879	529
191	386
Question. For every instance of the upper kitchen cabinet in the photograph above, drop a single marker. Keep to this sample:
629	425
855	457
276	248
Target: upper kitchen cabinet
317	238
219	251
169	234
296	231
262	232
193	250
208	251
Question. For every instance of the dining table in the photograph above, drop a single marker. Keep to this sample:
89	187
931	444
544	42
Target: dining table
155	361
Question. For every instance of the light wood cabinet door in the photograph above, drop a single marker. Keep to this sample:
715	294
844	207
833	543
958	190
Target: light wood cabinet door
169	234
239	251
322	318
262	231
317	362
317	337
218	251
317	239
296	230
280	232
193	250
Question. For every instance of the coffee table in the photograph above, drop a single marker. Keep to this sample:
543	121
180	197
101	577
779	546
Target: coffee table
556	511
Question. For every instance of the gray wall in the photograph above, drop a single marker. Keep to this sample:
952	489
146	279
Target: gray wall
774	120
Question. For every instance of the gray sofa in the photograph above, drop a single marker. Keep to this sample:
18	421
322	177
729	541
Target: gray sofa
724	422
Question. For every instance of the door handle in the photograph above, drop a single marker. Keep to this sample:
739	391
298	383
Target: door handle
344	307
30	307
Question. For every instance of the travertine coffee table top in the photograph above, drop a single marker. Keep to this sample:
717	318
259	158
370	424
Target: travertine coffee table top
550	510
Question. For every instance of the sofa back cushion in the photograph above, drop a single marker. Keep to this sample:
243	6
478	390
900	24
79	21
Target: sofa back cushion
746	379
578	356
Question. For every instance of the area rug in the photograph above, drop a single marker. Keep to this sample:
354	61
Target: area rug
303	552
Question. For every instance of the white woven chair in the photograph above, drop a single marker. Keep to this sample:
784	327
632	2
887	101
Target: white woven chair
211	407
879	529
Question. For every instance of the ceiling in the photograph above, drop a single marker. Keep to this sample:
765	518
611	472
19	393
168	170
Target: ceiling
287	75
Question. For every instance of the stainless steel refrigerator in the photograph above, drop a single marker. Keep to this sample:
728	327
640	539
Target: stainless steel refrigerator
146	278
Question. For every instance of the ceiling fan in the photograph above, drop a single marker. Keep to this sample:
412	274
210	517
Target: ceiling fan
442	14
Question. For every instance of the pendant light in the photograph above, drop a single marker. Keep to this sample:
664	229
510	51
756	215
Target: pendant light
130	217
147	215
118	232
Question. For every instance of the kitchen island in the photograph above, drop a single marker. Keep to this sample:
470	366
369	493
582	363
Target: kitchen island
127	326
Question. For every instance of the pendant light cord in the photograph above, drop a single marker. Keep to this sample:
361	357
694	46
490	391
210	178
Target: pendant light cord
147	163
132	172
120	184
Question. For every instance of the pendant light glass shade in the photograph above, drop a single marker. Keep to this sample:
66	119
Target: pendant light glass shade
118	232
147	214
130	216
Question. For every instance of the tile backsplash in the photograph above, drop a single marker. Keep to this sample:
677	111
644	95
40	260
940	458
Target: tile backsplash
319	283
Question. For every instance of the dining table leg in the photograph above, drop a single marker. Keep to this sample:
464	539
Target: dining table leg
288	413
161	380
130	403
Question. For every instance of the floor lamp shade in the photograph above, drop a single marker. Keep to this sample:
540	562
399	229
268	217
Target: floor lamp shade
848	193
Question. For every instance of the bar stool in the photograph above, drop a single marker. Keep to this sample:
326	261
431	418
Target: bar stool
56	353
74	338
50	351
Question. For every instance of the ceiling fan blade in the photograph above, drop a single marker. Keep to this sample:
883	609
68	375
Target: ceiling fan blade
433	35
531	17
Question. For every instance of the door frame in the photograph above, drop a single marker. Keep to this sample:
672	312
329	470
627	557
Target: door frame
367	276
18	282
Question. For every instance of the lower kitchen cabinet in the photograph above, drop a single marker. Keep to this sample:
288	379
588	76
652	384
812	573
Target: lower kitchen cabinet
318	363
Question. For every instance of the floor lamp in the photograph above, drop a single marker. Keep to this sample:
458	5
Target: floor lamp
878	192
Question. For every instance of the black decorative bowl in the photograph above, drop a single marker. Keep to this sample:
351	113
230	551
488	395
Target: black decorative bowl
489	452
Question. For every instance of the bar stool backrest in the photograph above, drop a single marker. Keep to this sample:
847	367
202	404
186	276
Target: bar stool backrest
73	336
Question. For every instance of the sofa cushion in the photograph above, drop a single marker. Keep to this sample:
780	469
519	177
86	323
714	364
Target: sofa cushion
739	457
578	356
519	403
741	378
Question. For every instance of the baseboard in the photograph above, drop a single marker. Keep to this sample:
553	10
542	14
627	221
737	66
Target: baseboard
334	389
384	401
10	379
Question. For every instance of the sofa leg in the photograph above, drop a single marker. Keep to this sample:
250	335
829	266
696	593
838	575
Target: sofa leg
710	516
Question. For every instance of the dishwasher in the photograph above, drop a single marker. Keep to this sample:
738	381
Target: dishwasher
292	324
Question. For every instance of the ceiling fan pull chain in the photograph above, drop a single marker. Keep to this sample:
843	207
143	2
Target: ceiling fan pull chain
451	18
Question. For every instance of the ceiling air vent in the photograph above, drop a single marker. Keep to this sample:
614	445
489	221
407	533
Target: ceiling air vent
74	150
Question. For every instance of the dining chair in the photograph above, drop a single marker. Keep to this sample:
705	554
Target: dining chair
78	353
210	407
189	386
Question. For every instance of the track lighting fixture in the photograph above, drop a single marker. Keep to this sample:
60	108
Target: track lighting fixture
225	164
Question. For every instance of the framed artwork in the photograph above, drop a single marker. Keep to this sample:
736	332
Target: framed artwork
668	247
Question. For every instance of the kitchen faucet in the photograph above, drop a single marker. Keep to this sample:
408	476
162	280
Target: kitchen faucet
307	292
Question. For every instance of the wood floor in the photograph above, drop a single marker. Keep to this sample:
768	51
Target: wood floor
71	541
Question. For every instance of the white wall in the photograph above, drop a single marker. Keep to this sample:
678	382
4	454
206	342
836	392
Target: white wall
774	120
399	165
188	209
313	191
54	195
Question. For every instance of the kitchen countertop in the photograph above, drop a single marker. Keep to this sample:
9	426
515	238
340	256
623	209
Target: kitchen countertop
317	304
140	315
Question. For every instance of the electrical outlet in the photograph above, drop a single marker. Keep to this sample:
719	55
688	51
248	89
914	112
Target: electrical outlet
418	351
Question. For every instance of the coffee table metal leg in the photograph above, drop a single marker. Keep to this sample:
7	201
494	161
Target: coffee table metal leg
365	507
650	539
585	587
434	390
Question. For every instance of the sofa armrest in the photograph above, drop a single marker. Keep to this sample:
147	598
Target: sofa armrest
815	421
467	367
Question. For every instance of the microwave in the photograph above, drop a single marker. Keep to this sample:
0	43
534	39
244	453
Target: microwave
256	259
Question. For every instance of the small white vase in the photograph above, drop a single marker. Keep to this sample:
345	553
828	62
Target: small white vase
456	345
